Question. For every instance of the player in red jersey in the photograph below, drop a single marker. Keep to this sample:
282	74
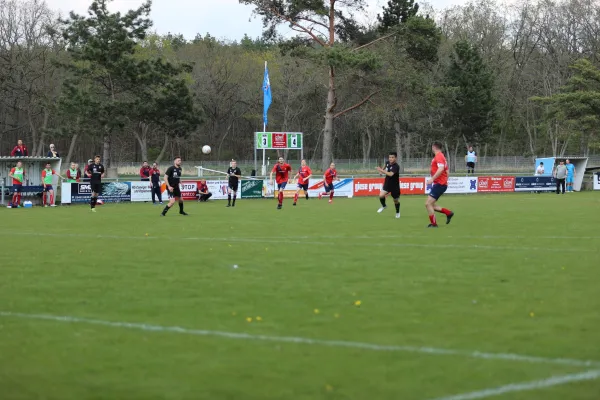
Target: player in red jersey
303	175
439	178
18	175
282	170
328	178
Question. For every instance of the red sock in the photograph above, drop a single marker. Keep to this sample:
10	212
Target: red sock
44	198
280	197
296	197
14	199
331	195
19	196
432	219
52	199
446	212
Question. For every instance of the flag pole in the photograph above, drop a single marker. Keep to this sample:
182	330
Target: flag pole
264	168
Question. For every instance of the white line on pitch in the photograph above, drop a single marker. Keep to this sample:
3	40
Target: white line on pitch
309	341
521	387
288	241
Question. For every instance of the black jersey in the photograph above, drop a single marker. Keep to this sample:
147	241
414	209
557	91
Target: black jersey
174	176
392	182
96	170
233	180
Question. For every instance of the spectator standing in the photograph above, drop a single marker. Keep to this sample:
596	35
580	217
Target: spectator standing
560	174
20	150
73	174
155	184
52	152
145	172
570	175
202	191
540	170
86	177
17	174
471	159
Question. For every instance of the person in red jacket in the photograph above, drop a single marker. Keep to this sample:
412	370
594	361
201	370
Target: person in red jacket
20	150
145	172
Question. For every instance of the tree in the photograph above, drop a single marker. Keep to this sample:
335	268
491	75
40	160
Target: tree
578	102
397	12
113	84
470	113
331	28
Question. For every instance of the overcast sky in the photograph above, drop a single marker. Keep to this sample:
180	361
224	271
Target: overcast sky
224	19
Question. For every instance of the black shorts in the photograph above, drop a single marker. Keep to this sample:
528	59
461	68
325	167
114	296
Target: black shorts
328	187
303	186
233	186
96	188
471	165
437	190
176	192
394	192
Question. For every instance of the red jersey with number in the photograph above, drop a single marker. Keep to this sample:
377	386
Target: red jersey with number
439	161
330	175
282	172
303	173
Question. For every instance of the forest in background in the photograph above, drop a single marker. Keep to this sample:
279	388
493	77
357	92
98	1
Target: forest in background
519	79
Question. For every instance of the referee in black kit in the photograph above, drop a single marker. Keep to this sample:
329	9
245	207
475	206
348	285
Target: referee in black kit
391	184
172	178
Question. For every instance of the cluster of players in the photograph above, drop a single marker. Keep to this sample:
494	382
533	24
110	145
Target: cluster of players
172	178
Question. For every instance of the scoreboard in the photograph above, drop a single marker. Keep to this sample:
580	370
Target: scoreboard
279	140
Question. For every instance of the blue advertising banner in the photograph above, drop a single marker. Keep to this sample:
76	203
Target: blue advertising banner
112	192
548	165
535	184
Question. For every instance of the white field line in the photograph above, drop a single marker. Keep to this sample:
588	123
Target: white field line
521	387
283	240
308	341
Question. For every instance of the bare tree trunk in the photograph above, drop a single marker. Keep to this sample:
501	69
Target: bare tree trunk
366	145
142	138
398	135
40	149
106	150
329	116
33	131
71	149
163	150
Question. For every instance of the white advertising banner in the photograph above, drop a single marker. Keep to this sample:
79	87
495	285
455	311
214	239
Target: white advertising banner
218	189
597	181
65	193
141	191
342	188
459	184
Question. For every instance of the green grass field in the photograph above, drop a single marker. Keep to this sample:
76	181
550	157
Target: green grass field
503	303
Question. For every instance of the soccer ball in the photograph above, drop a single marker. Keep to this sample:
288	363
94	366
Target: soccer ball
206	149
99	202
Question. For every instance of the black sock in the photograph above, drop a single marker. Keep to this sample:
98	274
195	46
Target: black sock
166	210
382	200
234	197
180	206
397	208
93	202
229	199
306	194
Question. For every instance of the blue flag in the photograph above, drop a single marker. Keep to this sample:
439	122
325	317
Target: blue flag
267	97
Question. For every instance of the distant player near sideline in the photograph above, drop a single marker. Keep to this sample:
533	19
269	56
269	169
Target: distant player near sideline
47	174
439	178
471	159
282	170
17	174
95	172
235	174
304	174
570	175
391	184
328	177
172	178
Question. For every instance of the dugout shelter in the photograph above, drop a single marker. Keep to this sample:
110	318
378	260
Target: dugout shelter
579	162
32	184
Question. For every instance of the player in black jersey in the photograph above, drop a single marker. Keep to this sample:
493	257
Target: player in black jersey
95	172
172	178
391	184
235	174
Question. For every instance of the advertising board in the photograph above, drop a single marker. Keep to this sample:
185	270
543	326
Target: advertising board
487	184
